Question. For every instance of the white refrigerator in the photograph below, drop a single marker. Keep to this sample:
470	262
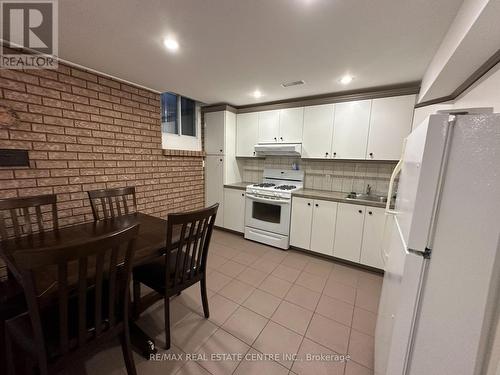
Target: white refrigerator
440	289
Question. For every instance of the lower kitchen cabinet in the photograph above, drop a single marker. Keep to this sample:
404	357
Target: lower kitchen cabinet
373	235
301	222
313	224
323	226
349	231
234	209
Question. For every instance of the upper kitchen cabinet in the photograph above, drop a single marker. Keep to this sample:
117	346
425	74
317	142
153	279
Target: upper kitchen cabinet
291	124
214	132
318	131
390	124
269	126
247	133
350	129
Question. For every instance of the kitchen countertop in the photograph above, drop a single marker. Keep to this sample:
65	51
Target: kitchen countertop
335	196
238	185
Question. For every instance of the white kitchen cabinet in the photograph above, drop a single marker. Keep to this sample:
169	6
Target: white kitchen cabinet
318	131
323	226
214	185
247	133
373	235
350	129
390	124
301	221
234	209
214	132
291	124
269	126
349	231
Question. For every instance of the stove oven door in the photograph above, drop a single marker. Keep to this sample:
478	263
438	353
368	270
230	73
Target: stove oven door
268	214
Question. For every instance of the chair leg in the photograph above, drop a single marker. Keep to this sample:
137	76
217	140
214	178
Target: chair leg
167	322
204	298
127	352
137	299
9	353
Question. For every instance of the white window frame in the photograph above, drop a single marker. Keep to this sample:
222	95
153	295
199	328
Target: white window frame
171	141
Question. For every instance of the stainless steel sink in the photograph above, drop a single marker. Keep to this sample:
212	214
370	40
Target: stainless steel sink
367	197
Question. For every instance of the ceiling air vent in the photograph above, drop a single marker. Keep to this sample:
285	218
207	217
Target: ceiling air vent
294	83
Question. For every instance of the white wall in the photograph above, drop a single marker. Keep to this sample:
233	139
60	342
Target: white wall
485	93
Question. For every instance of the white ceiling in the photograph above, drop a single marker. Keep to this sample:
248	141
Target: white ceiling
229	48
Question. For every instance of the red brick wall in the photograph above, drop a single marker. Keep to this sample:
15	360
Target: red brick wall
85	131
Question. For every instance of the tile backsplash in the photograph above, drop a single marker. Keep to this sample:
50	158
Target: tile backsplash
331	175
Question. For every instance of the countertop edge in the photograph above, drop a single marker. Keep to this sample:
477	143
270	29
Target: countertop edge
314	194
237	185
328	196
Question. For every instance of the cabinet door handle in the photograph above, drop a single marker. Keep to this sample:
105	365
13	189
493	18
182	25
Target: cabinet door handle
360	211
281	138
242	194
326	153
220	150
254	153
309	204
220	159
371	154
317	205
275	138
334	154
369	212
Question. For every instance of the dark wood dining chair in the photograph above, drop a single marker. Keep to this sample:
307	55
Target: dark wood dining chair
88	302
20	217
184	263
108	203
24	216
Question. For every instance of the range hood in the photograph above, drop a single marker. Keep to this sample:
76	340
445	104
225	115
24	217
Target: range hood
280	149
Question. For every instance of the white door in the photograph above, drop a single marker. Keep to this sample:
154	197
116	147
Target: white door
323	226
350	129
269	126
291	124
402	278
214	133
214	185
373	235
390	124
349	231
300	229
318	131
234	209
247	133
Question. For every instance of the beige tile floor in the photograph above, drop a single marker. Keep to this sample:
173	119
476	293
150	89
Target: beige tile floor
264	300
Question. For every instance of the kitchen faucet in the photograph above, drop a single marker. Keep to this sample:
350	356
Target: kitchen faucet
368	189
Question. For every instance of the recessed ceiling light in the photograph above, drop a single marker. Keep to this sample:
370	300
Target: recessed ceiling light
345	80
171	44
256	94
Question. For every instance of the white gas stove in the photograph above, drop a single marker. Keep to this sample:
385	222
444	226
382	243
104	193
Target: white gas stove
268	207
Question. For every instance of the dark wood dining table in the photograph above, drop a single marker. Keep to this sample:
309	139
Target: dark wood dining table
149	245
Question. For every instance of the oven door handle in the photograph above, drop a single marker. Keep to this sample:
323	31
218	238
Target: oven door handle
264	200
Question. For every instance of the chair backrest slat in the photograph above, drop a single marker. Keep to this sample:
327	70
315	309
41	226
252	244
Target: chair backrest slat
82	274
99	270
63	307
106	203
189	251
82	301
